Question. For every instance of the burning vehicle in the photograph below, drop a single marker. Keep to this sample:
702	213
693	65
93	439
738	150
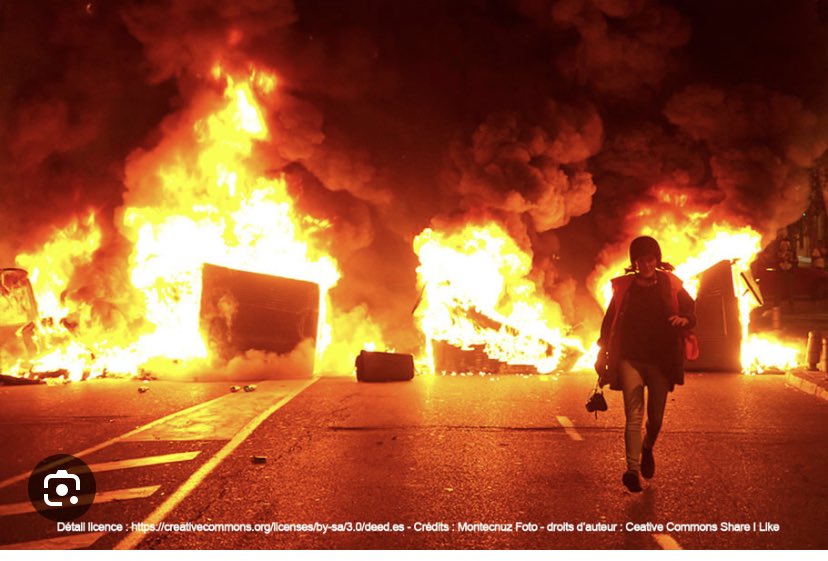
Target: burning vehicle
18	315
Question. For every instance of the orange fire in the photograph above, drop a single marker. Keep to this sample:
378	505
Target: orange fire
477	291
202	195
215	206
693	242
50	271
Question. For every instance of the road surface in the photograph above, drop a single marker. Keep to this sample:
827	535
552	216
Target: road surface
439	462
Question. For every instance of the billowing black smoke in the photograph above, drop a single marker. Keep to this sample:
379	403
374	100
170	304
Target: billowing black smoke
553	117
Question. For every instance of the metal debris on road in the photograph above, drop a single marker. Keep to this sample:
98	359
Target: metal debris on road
259	459
6	380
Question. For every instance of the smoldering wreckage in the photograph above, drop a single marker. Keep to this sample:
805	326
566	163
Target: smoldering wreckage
275	314
268	210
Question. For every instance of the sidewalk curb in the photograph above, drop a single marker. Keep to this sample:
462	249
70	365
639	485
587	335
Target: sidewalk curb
806	386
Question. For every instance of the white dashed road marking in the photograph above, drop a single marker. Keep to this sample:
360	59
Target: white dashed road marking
134	538
569	428
111	441
75	541
142	462
12	509
665	541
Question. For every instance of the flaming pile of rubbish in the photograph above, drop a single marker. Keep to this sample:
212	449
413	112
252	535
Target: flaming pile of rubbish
478	294
201	196
204	195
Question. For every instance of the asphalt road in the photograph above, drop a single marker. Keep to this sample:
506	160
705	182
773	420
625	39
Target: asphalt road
437	456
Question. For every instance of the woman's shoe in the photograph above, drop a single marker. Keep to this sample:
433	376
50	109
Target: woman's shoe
631	481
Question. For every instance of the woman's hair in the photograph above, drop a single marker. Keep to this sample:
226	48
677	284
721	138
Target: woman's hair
661	266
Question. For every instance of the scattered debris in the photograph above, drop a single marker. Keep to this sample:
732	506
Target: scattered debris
250	388
234	389
143	389
6	380
259	459
60	373
146	376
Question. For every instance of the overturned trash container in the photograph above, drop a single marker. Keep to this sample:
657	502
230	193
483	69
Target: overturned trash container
384	367
718	326
243	311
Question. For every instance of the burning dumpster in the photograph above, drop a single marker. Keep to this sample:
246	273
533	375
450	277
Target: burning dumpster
718	327
243	311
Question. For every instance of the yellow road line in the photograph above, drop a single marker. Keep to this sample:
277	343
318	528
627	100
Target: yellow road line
133	539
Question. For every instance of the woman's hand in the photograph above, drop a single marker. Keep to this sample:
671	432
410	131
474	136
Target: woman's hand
678	321
601	363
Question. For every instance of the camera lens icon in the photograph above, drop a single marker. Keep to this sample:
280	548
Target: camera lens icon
62	488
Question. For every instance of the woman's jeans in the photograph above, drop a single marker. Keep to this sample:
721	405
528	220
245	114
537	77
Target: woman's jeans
634	376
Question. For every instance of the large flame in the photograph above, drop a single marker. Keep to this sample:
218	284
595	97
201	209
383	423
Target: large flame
693	242
203	195
477	292
50	270
216	205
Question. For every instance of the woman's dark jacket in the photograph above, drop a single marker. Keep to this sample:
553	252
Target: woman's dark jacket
677	301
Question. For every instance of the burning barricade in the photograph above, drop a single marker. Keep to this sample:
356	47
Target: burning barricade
223	269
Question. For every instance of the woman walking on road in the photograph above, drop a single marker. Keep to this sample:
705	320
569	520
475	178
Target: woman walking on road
643	338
